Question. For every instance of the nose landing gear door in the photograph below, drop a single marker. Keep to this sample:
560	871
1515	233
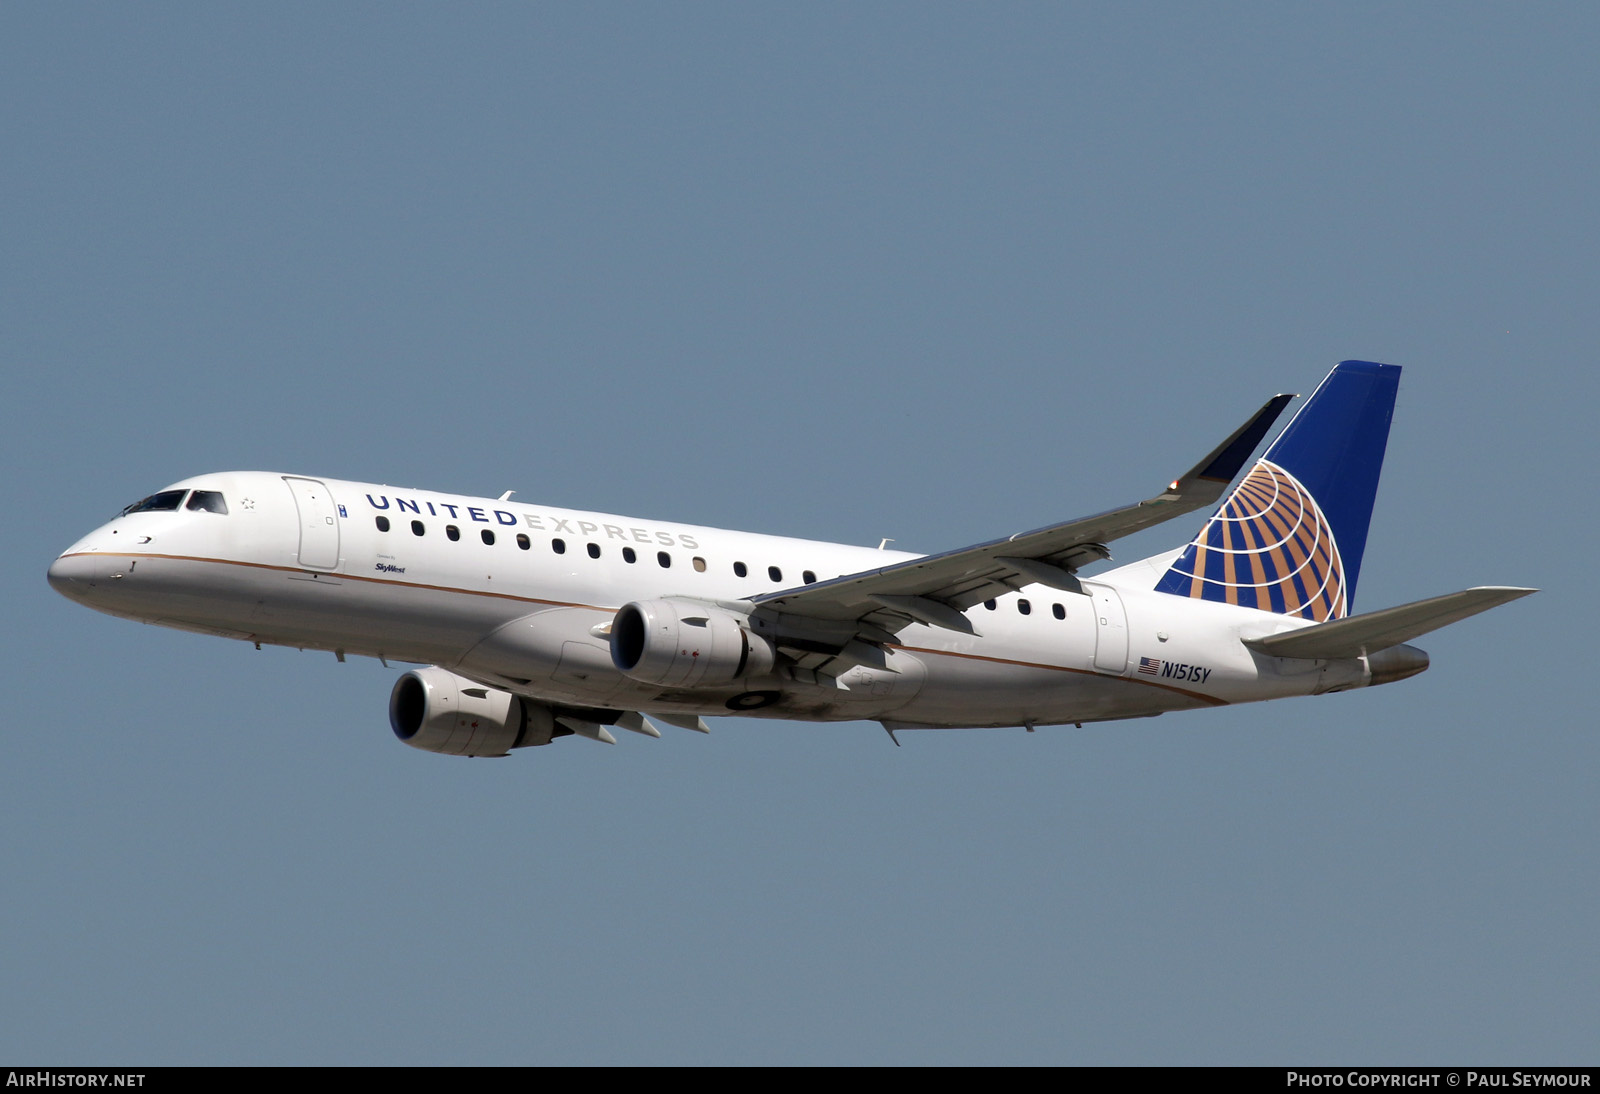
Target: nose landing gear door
319	523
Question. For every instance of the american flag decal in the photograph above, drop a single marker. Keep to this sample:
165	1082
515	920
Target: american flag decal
1149	666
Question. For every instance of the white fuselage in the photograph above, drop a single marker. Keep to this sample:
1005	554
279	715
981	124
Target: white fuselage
523	596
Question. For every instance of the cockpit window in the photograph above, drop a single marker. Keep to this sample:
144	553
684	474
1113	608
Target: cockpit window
209	501
166	500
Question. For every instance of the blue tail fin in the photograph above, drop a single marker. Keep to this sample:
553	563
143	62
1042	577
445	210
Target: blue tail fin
1289	539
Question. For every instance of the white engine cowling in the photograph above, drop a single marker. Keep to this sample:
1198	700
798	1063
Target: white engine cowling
438	711
682	644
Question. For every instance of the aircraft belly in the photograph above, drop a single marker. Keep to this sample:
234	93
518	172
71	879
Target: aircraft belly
553	655
404	622
292	607
964	691
888	688
861	692
550	653
189	594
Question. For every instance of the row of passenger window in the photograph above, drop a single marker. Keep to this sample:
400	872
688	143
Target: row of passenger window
559	546
1025	607
664	559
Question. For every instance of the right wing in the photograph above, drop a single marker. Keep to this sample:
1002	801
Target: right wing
875	604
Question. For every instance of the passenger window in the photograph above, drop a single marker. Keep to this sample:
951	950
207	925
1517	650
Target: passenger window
1024	607
1058	611
774	573
629	555
383	524
488	537
523	542
740	569
808	577
452	533
664	558
594	550
989	604
207	501
559	546
416	528
699	565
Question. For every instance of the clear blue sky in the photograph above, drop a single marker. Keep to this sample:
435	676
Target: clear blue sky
935	272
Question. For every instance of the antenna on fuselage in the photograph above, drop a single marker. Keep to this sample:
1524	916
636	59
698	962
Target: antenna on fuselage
506	496
884	543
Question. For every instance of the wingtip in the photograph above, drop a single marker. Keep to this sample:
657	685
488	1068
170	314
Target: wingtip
1224	462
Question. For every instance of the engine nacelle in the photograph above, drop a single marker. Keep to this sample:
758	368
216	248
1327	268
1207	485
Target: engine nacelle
682	644
438	711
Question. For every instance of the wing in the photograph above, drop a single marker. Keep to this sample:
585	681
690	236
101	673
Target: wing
935	589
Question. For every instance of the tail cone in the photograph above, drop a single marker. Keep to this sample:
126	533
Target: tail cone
1395	663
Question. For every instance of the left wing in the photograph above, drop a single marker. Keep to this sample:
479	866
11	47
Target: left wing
936	589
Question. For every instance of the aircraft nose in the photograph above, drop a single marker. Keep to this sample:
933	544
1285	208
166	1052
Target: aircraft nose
71	575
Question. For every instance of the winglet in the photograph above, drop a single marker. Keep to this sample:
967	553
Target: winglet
1225	461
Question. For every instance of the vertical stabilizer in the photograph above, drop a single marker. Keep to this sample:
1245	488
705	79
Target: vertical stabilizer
1290	537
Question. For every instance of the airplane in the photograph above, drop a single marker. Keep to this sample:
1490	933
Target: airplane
533	623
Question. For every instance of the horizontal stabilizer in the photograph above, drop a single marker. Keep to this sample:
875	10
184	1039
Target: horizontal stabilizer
1357	635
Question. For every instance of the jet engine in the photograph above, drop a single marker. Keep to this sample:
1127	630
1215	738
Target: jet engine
684	644
438	711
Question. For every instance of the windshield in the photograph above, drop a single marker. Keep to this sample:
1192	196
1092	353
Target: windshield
207	501
167	499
